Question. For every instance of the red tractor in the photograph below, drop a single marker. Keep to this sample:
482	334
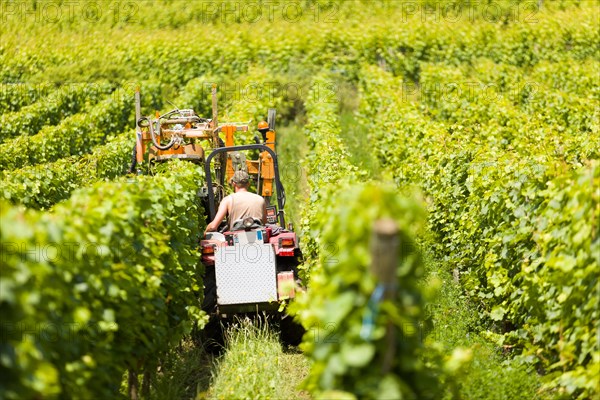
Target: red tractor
253	267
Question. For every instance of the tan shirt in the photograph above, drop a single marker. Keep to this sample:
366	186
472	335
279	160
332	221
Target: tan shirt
246	204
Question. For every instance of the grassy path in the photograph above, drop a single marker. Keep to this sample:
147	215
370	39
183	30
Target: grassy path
291	148
254	365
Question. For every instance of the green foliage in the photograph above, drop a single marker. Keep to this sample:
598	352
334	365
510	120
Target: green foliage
571	76
143	48
109	280
291	150
326	164
184	372
142	14
43	185
14	96
75	135
338	219
356	139
519	220
510	174
491	373
498	111
339	298
249	96
51	109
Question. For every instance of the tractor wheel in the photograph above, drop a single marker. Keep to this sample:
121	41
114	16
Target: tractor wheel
209	304
211	338
291	332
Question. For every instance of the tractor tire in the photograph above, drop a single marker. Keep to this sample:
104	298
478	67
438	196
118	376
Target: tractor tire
291	332
211	338
209	304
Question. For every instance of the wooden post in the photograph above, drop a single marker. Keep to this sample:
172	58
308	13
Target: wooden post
385	244
133	384
139	143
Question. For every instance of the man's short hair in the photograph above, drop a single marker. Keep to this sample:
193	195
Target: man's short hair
240	178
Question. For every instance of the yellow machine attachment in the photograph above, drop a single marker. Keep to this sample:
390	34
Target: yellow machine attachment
187	135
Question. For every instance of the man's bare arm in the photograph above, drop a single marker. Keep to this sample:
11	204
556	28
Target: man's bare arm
221	213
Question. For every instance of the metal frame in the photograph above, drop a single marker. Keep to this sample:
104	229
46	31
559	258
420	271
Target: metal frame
278	185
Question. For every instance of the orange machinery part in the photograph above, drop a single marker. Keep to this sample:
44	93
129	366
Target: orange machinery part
229	130
145	140
267	169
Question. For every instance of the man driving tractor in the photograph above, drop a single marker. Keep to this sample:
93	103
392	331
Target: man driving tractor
239	204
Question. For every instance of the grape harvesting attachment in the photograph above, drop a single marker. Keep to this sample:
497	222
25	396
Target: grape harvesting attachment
178	133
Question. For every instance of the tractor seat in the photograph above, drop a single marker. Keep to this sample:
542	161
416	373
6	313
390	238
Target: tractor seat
246	224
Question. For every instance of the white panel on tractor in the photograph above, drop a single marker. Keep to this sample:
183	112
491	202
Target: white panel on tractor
245	273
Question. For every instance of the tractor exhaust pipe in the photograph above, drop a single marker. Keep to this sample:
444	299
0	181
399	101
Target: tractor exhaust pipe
271	119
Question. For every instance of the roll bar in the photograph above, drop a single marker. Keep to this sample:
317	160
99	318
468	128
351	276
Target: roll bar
278	184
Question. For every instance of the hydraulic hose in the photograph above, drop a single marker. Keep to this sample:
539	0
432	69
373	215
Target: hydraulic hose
153	134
